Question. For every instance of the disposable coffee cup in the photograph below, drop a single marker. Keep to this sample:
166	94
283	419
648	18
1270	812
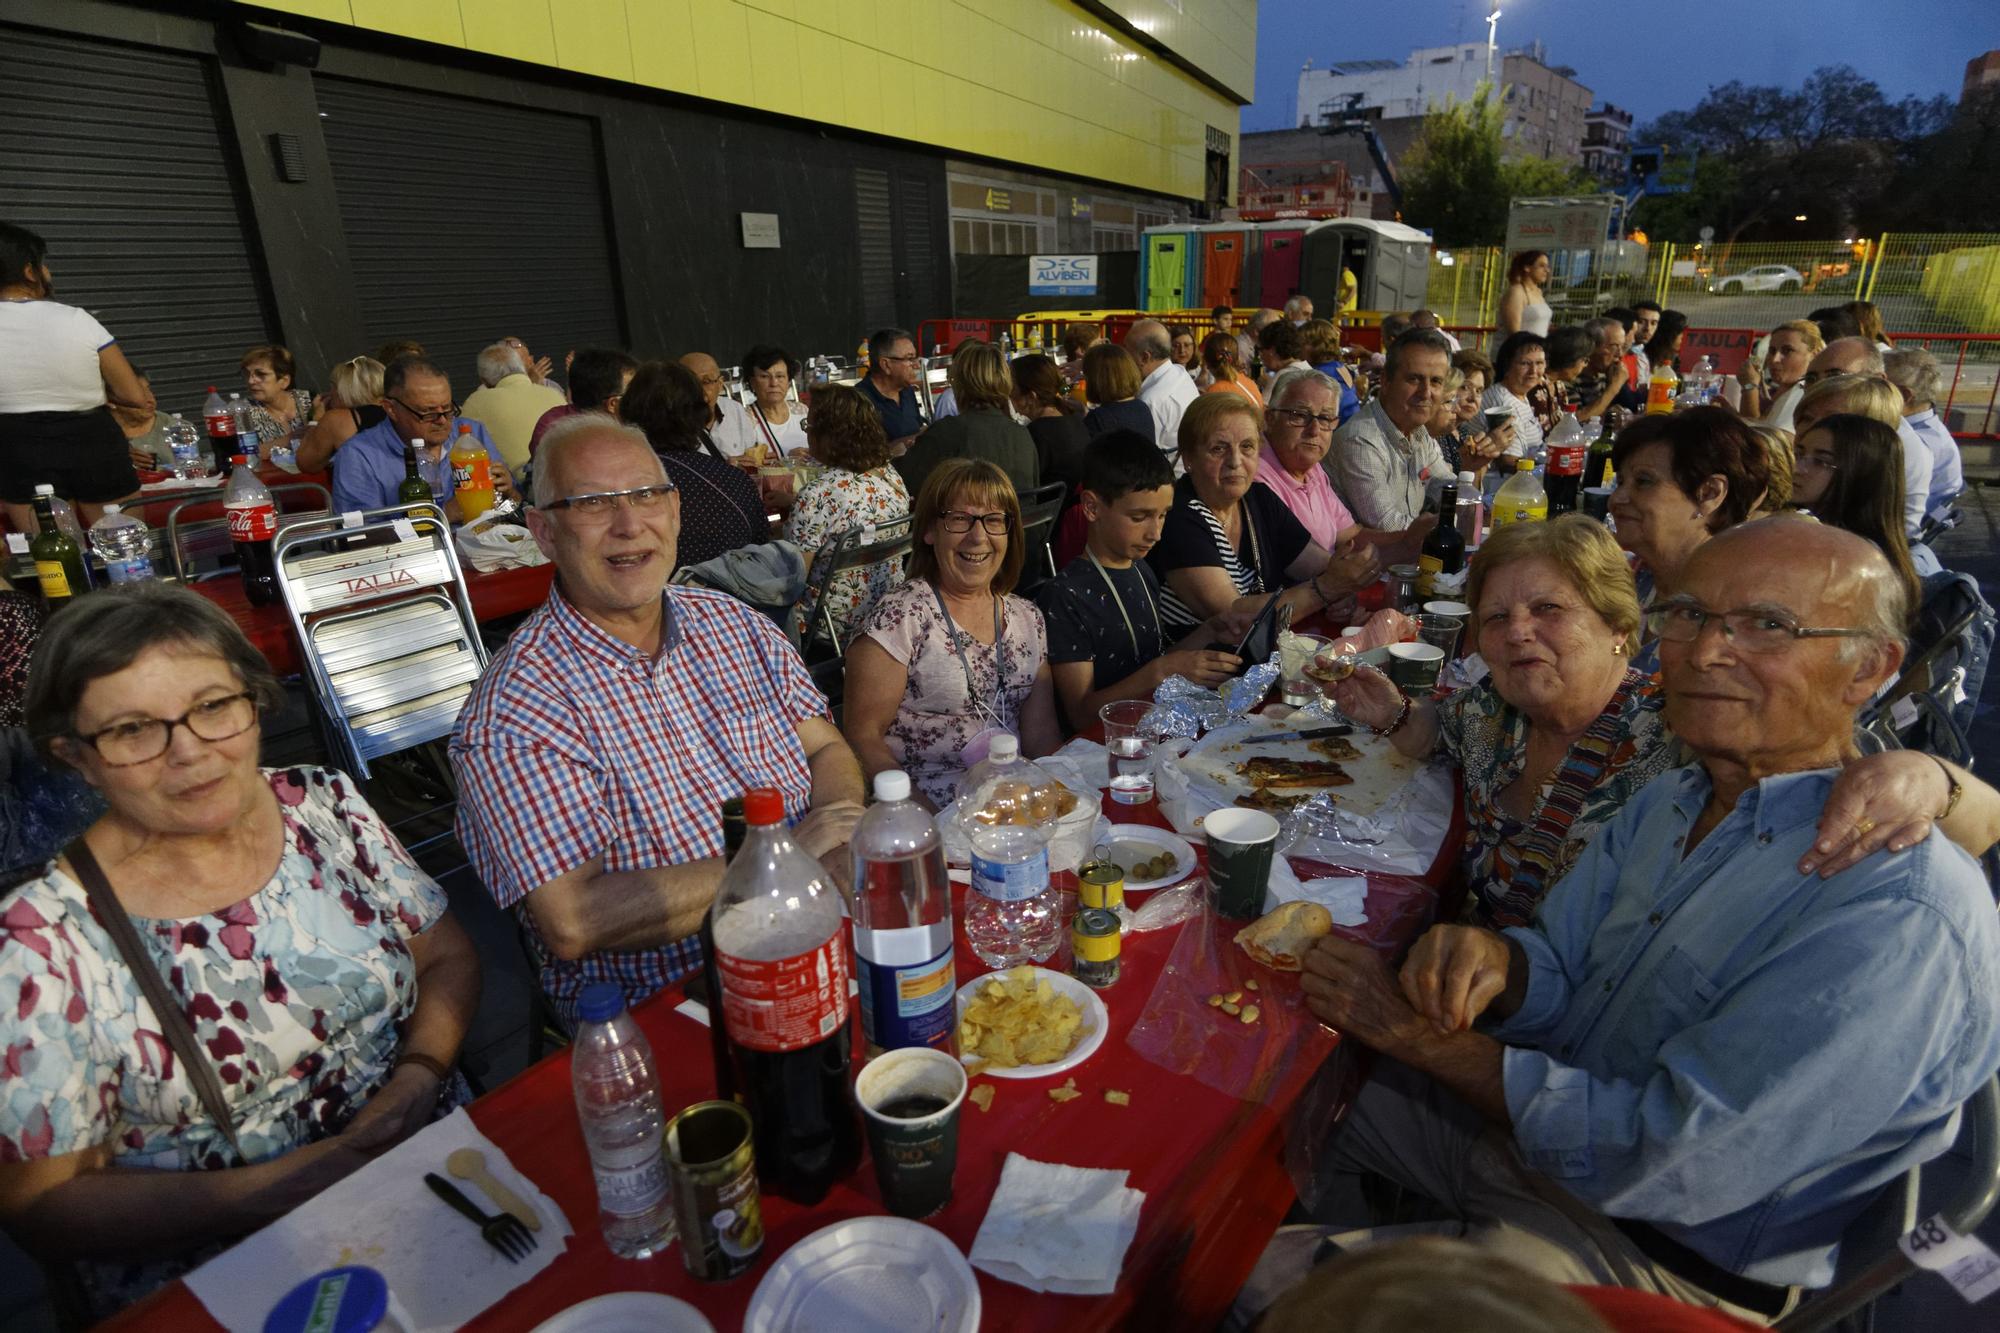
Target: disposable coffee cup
1241	844
1597	501
1415	666
1457	610
1496	417
910	1099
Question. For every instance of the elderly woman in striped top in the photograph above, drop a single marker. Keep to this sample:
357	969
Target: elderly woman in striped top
1228	540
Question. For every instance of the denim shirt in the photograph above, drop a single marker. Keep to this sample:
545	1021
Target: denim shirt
1739	1054
368	469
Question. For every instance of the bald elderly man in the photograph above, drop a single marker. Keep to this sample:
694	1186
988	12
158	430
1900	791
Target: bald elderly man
1858	356
1699	1063
1165	388
728	422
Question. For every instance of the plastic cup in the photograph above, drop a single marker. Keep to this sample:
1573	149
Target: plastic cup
1442	631
1128	751
1295	653
910	1100
1597	501
1415	666
1241	844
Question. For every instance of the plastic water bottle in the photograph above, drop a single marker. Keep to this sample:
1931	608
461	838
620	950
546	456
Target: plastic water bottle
1702	379
125	545
185	441
618	1105
1471	515
902	923
1012	915
246	434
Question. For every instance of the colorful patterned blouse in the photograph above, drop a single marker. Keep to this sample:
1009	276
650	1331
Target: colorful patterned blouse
938	717
835	502
1488	739
300	993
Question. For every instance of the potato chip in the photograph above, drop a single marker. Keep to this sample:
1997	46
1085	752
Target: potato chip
1018	1018
1066	1093
1117	1098
981	1096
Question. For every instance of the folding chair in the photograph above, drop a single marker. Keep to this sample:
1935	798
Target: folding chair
1040	508
196	533
1931	704
859	547
1872	1264
390	644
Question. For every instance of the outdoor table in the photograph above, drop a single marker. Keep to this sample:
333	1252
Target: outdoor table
1211	1166
504	592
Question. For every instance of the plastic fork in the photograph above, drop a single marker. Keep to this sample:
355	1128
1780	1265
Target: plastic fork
503	1231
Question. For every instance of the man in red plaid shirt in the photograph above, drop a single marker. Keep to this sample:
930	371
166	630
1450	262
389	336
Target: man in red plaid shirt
594	754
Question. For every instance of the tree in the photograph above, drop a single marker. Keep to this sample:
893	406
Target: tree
1943	187
1830	149
1458	179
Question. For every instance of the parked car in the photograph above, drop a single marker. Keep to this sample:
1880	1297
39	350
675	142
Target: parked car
1763	278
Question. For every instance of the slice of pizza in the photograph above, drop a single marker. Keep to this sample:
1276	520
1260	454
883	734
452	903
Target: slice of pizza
1272	802
1335	747
1270	771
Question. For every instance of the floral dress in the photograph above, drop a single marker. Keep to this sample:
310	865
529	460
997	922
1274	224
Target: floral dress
299	993
1488	739
938	717
839	500
270	430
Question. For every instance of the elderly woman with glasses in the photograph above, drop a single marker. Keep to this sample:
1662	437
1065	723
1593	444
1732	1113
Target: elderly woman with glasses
953	658
1228	539
1565	730
1298	431
322	979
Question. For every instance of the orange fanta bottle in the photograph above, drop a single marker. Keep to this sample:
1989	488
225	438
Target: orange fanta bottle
471	475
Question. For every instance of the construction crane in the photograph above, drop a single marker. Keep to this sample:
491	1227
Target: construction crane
1343	116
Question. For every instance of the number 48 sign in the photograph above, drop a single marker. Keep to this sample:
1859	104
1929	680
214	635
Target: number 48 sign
1965	1262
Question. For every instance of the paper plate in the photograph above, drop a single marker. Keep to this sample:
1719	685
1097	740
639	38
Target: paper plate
629	1312
1095	1021
1151	841
865	1274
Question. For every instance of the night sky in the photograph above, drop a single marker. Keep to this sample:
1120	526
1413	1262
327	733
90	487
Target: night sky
1648	58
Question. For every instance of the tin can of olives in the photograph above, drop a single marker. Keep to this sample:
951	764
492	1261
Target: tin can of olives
714	1174
1100	884
1094	940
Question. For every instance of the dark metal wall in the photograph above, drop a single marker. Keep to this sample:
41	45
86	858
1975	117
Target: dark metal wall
662	180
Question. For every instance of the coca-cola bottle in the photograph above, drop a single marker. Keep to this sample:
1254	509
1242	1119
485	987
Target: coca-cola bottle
781	956
220	423
1567	444
253	521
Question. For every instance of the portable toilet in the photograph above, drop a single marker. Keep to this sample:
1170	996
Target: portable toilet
1391	263
1280	253
1228	264
1167	267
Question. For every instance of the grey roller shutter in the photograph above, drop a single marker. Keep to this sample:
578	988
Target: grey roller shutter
875	228
470	221
916	273
116	155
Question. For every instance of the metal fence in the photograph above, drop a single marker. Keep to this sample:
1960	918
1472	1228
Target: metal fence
1922	282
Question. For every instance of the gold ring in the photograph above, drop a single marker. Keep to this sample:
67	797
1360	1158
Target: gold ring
1863	827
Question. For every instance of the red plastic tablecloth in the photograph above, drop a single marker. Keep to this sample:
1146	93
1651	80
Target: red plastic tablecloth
1211	1166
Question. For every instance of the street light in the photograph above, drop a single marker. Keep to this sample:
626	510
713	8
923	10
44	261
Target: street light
1798	217
1492	25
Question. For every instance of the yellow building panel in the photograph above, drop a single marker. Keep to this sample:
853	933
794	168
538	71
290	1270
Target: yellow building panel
516	29
437	22
661	37
327	11
592	38
1040	82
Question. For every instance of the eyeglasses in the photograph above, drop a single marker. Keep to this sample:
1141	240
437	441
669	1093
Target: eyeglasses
445	413
142	740
1751	629
1819	461
1305	421
911	357
958	524
598	506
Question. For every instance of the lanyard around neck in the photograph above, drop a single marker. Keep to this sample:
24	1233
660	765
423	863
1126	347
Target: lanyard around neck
1158	638
999	657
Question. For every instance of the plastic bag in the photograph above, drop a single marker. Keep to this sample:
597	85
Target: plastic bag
1265	1061
496	540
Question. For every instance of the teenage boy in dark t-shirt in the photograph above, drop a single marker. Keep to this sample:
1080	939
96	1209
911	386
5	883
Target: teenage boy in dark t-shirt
1103	610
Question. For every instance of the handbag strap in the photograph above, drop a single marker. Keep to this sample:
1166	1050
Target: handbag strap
173	1023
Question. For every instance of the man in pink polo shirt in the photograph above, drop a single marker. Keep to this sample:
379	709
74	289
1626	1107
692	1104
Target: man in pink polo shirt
1299	426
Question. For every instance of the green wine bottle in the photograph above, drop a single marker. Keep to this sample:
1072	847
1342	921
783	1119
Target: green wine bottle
414	490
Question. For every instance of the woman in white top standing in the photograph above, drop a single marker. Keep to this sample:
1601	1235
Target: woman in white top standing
1523	308
776	420
59	371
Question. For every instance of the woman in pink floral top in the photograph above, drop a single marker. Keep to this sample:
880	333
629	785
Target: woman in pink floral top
313	960
952	658
858	487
